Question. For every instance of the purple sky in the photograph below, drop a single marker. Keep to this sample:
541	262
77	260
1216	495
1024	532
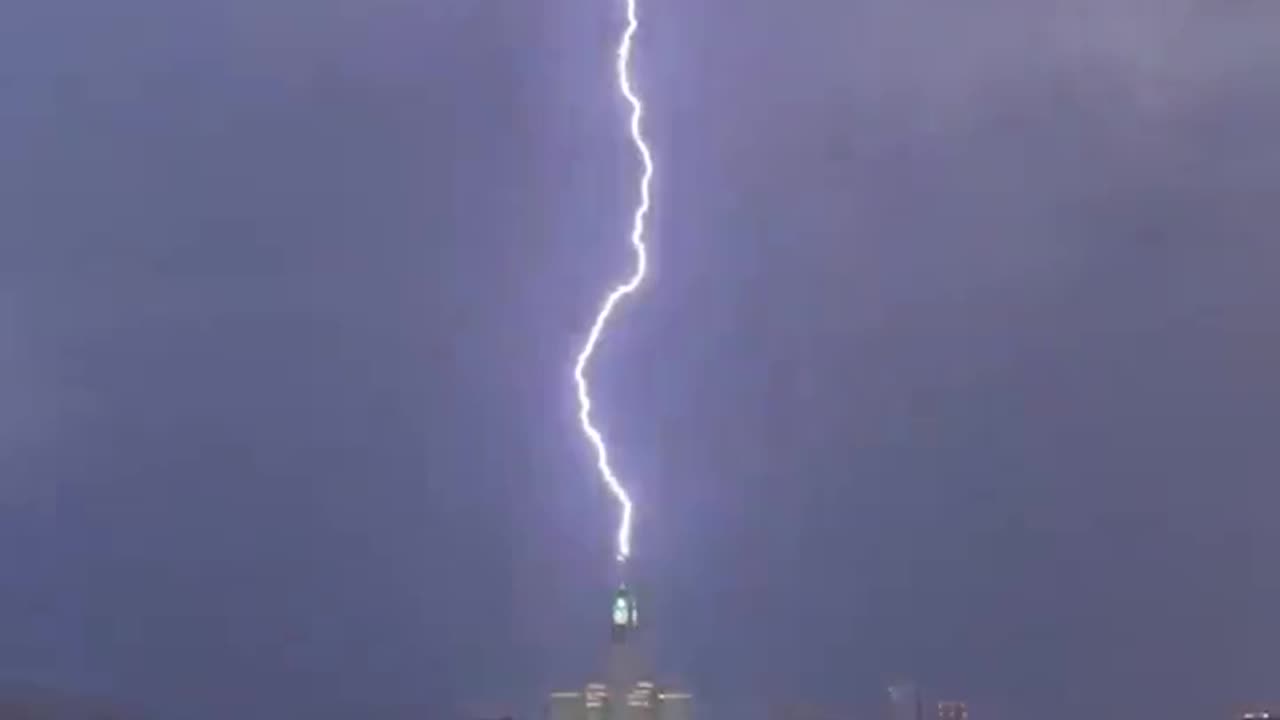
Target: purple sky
959	360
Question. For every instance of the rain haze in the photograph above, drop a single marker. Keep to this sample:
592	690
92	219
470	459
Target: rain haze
958	361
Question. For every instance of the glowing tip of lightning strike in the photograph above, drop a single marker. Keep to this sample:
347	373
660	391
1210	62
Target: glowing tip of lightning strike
622	290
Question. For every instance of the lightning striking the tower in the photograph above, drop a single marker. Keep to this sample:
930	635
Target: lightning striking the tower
621	291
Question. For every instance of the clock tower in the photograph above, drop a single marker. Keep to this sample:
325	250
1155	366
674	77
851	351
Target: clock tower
624	621
624	669
628	692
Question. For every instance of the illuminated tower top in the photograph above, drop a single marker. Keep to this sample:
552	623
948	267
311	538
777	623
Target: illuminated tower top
624	619
628	691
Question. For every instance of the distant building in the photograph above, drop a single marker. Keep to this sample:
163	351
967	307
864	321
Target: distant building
905	702
627	694
676	705
953	710
1260	715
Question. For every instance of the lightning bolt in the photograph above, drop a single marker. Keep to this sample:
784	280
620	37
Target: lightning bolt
621	291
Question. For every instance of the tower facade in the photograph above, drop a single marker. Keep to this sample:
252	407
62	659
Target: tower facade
905	702
628	693
953	710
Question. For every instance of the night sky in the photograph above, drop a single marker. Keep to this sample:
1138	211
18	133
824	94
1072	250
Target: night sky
959	360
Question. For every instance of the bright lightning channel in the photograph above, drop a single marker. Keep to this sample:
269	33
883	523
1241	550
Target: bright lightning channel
619	292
